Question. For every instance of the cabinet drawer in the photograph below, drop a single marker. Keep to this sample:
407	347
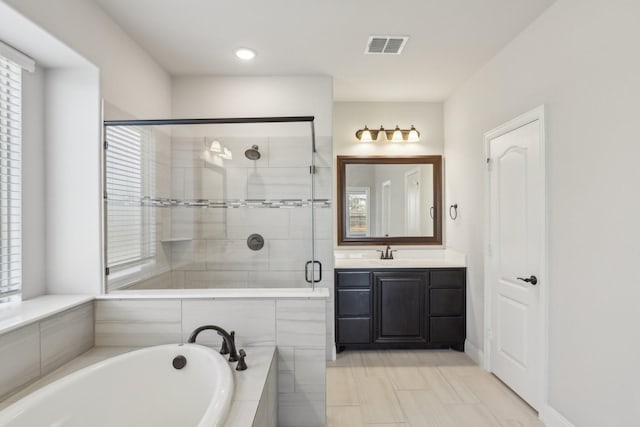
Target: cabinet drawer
446	330
354	302
448	278
353	279
354	331
446	302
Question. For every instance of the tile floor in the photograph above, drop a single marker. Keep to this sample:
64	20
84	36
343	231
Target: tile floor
419	388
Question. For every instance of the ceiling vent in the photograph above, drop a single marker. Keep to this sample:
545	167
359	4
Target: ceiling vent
391	45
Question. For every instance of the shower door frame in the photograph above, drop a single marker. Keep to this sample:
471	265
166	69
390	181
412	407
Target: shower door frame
209	121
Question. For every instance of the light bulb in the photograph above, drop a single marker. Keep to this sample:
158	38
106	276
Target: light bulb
414	135
216	147
245	54
397	135
365	136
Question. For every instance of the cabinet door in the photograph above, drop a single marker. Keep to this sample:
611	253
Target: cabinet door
400	305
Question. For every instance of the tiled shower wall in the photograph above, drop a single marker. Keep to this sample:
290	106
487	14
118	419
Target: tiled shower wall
207	246
214	252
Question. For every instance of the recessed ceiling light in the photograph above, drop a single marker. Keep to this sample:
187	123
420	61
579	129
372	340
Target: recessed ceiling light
245	54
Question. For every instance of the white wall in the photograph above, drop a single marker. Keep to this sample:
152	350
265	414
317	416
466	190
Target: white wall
130	78
73	181
580	60
348	117
33	185
65	216
218	97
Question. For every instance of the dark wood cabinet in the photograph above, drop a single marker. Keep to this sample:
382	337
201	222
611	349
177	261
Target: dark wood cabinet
400	308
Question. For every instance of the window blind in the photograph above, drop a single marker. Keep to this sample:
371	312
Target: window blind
10	180
130	180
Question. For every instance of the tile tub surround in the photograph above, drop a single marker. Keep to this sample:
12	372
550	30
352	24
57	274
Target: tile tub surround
254	402
32	350
295	325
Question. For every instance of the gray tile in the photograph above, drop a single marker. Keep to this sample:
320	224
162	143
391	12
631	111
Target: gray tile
215	279
285	358
300	323
277	279
302	412
279	183
188	255
253	320
20	355
235	255
290	151
310	369
137	322
270	223
286	382
65	336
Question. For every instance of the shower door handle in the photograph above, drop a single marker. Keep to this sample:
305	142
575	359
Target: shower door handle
306	271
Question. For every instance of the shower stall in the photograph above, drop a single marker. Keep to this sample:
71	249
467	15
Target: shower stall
216	203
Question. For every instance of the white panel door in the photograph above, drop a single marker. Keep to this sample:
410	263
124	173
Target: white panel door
516	259
412	202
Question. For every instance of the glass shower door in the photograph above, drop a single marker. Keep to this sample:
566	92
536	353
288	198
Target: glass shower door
211	205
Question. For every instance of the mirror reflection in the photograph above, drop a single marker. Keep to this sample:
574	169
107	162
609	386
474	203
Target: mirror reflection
389	200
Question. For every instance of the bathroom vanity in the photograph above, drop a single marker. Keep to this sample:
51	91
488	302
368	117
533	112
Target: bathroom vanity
399	307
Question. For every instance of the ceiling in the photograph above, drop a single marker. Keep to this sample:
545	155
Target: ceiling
449	39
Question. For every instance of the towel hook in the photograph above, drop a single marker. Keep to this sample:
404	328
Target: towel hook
453	211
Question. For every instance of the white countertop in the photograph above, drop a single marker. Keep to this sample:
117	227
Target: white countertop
239	293
407	258
15	315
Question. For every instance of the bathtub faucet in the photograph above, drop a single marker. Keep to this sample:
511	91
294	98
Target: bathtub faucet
228	339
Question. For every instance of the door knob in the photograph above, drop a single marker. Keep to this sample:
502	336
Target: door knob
533	280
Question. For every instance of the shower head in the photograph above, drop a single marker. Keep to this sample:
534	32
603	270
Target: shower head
252	153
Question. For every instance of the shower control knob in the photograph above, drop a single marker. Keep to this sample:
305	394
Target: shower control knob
255	242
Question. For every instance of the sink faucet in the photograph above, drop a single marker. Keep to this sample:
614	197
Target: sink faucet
388	254
228	339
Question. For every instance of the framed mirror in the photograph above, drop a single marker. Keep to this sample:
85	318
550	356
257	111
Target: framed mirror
389	200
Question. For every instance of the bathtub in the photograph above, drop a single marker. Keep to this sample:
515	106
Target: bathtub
140	388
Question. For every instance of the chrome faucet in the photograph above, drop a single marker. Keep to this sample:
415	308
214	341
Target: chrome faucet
388	254
229	339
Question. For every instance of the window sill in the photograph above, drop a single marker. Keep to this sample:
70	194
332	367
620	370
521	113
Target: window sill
17	314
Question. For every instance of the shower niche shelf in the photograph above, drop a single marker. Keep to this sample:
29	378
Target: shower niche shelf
176	239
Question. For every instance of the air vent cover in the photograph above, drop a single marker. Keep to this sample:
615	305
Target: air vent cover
390	45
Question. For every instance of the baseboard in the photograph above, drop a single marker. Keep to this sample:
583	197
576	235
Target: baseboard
474	353
552	418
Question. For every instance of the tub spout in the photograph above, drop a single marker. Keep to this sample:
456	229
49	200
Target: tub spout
229	339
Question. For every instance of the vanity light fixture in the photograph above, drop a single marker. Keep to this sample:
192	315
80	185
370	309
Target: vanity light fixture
393	135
